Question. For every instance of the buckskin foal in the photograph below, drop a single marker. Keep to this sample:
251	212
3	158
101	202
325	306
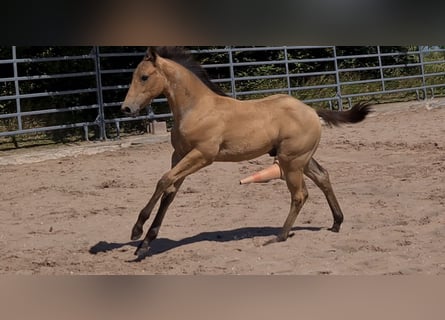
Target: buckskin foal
210	126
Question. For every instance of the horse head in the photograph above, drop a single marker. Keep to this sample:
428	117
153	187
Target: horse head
147	83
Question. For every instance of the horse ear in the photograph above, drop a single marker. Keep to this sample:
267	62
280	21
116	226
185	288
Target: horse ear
151	54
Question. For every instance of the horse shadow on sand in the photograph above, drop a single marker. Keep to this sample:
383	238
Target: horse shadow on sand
161	245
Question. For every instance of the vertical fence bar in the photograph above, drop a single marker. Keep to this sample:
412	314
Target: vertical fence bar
286	60
337	80
101	114
17	88
232	72
382	78
422	69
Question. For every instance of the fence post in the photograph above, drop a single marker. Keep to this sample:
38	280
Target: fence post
382	76
286	60
337	80
422	68
232	72
100	101
17	88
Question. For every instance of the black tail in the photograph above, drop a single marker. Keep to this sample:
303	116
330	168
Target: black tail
356	114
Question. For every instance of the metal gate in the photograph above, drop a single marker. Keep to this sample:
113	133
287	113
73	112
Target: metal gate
33	101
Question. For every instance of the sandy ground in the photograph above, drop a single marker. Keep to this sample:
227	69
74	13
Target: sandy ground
70	210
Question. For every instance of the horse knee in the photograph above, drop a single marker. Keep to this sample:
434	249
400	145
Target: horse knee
165	183
300	196
171	189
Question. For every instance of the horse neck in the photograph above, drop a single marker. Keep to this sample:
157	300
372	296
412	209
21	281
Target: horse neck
183	89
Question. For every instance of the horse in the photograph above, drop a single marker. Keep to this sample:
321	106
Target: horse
209	126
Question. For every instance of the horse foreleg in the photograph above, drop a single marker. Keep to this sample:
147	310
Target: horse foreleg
145	213
299	194
167	185
166	200
321	178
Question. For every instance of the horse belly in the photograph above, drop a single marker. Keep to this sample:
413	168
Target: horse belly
243	149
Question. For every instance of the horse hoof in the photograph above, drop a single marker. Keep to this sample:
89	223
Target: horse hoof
136	233
275	240
335	227
142	250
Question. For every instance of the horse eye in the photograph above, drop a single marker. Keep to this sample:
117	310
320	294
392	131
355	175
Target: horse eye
144	78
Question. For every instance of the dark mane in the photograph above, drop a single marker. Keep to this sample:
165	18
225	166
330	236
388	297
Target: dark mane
185	58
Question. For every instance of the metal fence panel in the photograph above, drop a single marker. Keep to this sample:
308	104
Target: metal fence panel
100	78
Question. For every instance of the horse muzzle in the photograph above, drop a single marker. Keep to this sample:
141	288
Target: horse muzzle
130	111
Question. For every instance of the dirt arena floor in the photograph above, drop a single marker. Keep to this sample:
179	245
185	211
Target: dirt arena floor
70	210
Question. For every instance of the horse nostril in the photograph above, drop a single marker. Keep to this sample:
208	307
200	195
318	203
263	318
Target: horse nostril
126	110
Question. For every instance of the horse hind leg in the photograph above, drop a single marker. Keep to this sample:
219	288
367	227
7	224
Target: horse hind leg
320	177
299	194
